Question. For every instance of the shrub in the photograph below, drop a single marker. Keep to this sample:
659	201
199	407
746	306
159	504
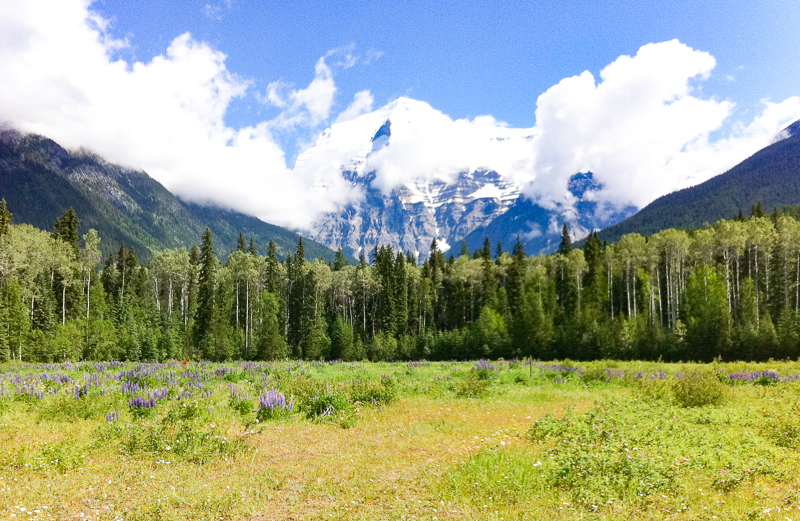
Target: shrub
186	431
470	387
333	408
698	389
373	393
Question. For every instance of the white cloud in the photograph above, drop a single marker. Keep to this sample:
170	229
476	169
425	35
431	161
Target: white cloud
165	116
303	107
216	10
642	128
362	103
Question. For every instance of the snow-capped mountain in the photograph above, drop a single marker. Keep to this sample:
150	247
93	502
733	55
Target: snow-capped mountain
470	175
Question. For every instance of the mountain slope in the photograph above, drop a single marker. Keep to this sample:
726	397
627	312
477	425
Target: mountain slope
40	180
407	202
771	175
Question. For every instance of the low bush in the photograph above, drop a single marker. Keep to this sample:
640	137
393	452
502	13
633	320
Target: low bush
698	389
333	408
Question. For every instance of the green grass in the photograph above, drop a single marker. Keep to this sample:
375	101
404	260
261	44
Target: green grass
613	440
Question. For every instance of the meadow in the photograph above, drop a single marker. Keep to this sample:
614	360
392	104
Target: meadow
419	440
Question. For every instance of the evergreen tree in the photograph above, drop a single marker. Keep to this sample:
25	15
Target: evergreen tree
5	218
340	261
270	344
342	347
66	229
240	246
252	249
566	241
205	296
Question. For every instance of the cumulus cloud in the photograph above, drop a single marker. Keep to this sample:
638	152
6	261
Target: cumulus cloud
362	103
307	107
642	127
165	116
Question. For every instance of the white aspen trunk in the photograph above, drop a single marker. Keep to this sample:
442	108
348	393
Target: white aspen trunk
726	255
63	303
169	300
88	290
660	307
610	289
758	306
628	289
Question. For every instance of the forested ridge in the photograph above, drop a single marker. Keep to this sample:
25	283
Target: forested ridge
729	290
40	180
771	176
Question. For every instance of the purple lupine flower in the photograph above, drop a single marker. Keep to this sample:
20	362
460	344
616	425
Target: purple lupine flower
141	402
484	365
272	399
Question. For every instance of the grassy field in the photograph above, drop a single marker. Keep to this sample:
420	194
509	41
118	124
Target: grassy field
456	440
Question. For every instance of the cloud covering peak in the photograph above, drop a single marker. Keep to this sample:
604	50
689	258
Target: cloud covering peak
643	128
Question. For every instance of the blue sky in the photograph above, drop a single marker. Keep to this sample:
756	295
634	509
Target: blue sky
217	98
471	58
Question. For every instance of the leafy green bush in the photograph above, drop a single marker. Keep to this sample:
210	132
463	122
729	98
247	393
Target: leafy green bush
604	454
59	457
186	431
240	405
333	408
470	387
373	393
698	389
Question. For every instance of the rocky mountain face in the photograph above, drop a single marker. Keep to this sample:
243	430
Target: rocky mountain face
409	217
40	180
467	205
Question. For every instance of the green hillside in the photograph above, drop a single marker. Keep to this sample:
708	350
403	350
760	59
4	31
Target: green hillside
40	180
771	175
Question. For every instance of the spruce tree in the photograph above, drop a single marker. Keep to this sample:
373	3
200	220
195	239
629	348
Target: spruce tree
66	229
487	249
566	241
240	246
340	261
205	296
253	250
5	218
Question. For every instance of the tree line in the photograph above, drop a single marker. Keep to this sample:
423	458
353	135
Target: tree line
730	290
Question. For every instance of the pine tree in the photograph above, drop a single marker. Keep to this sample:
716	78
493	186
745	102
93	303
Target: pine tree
66	229
5	218
593	253
340	261
566	241
253	250
240	246
205	296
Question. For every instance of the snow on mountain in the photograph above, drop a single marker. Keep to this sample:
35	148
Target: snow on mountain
414	175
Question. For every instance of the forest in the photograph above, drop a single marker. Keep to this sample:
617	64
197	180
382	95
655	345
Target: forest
730	290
